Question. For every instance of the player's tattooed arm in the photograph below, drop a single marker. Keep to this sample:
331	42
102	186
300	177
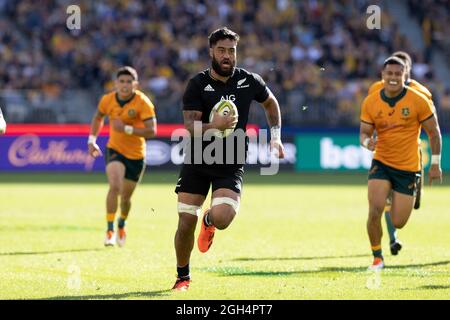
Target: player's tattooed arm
431	127
149	130
99	115
96	125
190	119
273	115
272	109
366	136
433	131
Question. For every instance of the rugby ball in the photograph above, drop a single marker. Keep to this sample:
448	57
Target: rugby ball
224	108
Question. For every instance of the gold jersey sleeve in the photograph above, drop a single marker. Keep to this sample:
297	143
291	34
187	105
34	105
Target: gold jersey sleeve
421	88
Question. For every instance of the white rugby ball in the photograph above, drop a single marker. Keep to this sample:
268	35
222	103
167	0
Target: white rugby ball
224	107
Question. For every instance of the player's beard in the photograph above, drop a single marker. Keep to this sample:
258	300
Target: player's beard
218	69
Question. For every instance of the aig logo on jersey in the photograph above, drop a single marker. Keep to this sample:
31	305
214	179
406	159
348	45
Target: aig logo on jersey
241	85
405	112
230	97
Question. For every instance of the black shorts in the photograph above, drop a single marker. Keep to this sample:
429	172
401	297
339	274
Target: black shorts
134	169
405	182
196	179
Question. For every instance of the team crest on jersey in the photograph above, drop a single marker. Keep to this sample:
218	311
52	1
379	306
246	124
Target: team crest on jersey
132	113
379	115
405	111
240	84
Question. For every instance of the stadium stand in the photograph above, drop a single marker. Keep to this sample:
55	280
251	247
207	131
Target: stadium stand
318	57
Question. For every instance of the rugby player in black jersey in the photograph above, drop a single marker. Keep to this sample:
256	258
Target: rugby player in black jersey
222	81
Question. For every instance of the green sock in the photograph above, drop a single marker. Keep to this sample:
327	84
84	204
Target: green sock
121	223
377	252
390	227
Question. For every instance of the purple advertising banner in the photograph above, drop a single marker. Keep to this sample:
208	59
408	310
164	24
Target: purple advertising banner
30	152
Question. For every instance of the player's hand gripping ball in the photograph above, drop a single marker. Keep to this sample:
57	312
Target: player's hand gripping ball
224	108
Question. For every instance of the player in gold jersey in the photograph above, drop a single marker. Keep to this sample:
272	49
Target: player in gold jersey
395	244
132	120
397	113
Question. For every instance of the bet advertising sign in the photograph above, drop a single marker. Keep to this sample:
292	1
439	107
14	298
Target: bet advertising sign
341	151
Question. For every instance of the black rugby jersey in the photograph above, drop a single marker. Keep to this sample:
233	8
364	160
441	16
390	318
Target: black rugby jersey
203	92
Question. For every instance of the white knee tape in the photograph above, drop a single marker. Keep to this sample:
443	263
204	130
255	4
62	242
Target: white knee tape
189	208
225	200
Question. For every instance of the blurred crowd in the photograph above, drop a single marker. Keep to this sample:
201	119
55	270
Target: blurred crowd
434	18
318	57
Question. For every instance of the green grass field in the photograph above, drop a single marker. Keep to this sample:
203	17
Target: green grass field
296	237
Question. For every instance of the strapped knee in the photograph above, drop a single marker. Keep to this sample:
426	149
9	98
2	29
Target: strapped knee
225	200
188	208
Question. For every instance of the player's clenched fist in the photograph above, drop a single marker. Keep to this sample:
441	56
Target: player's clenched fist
94	150
369	143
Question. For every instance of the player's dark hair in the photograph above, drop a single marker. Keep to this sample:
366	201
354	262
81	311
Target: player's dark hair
127	70
404	56
393	60
406	59
222	34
